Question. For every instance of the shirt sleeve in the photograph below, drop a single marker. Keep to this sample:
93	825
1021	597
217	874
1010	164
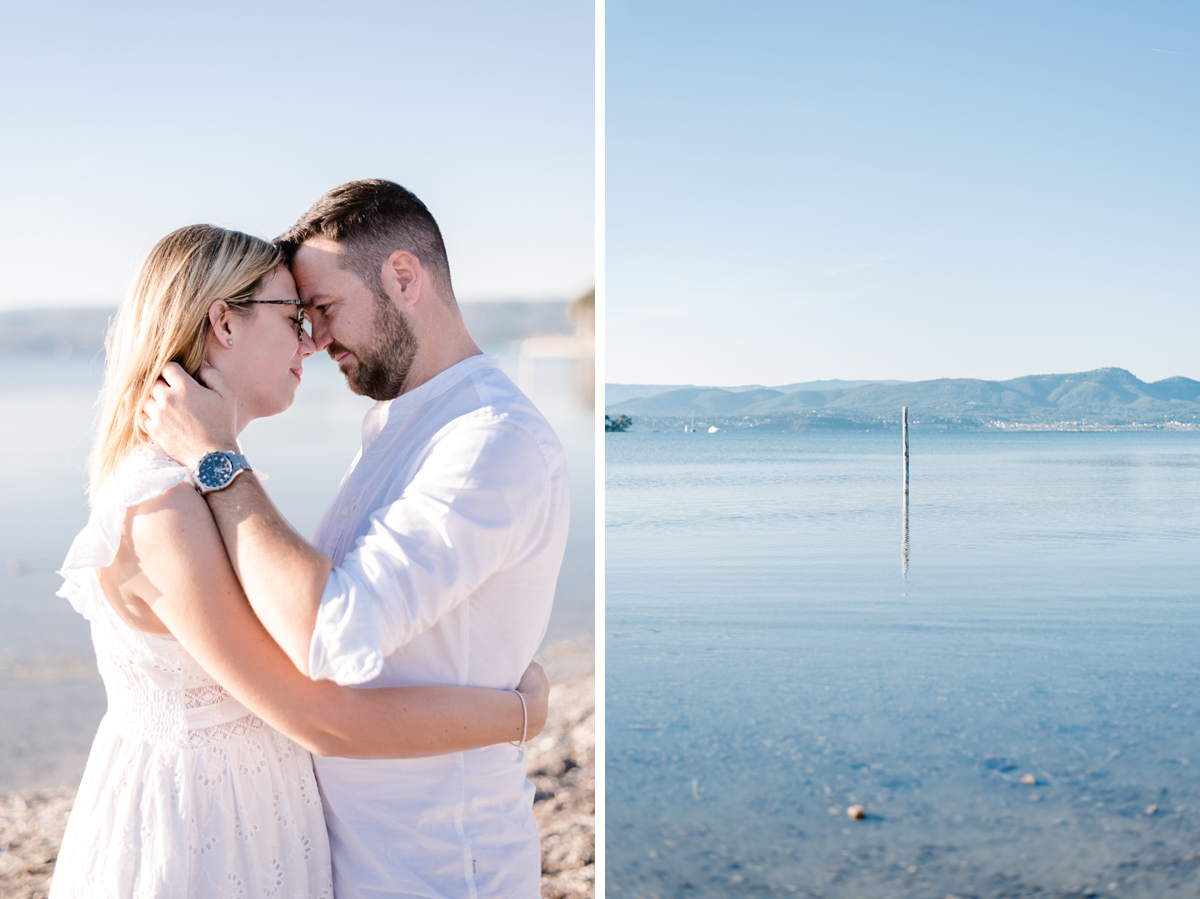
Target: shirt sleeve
476	502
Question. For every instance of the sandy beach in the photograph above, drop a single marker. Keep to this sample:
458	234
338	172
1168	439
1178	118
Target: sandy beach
561	765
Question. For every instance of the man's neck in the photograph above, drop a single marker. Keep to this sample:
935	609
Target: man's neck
427	366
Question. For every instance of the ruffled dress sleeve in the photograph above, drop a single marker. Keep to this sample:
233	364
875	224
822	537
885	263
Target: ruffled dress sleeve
141	477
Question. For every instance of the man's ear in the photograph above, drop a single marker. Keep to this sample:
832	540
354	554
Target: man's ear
402	278
219	315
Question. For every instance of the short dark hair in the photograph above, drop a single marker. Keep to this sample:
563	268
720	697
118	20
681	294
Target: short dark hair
371	219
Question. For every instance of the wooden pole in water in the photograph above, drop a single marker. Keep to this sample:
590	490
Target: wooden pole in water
905	431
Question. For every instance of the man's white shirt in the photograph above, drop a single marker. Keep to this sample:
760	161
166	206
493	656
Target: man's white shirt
446	535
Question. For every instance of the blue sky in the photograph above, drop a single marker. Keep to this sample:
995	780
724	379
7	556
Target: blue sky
123	121
802	190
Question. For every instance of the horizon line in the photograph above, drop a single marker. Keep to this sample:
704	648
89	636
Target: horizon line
866	381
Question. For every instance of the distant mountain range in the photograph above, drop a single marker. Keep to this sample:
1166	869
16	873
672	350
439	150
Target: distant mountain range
1104	398
59	331
615	393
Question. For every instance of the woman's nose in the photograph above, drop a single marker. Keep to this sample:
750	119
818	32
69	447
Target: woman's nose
307	346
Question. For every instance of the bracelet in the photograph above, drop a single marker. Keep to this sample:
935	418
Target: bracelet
524	722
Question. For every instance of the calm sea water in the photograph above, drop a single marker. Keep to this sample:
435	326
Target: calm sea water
51	698
784	641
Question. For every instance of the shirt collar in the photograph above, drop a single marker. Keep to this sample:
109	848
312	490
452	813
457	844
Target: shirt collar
383	411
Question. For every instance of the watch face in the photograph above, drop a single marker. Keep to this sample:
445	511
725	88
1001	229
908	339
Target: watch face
214	470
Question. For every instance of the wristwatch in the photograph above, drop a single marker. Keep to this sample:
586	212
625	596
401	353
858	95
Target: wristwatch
218	469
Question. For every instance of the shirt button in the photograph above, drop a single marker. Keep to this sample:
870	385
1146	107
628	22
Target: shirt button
345	513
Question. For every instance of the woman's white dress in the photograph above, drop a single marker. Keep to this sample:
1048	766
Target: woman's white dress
186	793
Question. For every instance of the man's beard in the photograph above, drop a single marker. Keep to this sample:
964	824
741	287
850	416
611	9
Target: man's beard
384	364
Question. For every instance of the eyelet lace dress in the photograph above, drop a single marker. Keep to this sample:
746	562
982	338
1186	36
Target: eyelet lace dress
186	793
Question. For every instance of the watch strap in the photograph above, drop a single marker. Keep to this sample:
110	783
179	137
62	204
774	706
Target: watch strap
237	464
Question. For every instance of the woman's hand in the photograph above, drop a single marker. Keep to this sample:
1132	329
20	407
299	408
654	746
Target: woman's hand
535	688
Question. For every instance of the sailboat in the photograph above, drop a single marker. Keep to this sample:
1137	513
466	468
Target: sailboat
690	429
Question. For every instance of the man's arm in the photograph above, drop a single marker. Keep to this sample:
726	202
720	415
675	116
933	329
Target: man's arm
182	572
481	500
282	575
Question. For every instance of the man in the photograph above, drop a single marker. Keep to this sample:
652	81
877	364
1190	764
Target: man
436	562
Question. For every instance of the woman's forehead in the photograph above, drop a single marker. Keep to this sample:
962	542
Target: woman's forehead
278	285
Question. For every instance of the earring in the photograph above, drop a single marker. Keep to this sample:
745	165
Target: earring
231	341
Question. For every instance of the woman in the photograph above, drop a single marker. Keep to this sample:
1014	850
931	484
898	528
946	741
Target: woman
189	791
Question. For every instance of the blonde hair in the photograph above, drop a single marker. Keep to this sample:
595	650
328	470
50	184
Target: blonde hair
165	319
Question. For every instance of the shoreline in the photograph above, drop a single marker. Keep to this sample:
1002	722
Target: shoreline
560	762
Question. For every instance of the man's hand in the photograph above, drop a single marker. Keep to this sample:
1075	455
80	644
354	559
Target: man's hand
535	687
187	419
